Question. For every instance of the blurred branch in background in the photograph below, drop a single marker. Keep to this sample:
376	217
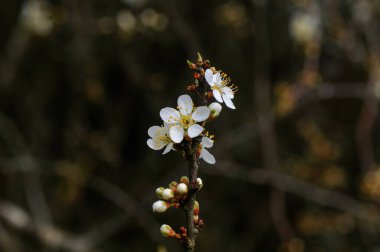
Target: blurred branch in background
265	121
364	211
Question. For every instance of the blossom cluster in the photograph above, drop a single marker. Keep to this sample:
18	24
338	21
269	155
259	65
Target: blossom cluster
187	121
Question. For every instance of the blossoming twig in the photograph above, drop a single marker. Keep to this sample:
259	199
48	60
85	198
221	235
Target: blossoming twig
184	130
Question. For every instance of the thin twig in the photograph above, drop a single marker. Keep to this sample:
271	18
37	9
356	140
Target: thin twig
193	165
192	194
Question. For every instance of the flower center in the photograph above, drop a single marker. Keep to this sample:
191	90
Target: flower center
164	138
162	135
186	121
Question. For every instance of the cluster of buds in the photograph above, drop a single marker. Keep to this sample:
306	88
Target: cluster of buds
175	195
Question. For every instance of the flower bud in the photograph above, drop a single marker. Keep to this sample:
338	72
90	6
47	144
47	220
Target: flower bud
167	231
182	188
160	206
185	180
173	185
215	109
159	192
199	59
196	75
167	194
196	208
191	64
200	183
196	217
206	64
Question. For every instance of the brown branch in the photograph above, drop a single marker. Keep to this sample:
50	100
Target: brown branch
192	194
192	156
368	112
263	107
364	211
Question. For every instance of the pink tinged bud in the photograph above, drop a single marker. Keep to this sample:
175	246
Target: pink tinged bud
173	185
182	188
200	183
160	206
185	180
196	208
167	231
167	194
159	192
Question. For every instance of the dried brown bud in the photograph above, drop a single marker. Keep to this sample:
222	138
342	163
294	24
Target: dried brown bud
192	88
206	64
197	75
185	180
209	95
200	224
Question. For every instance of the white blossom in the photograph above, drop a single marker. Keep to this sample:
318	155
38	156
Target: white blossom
184	121
220	88
207	156
160	138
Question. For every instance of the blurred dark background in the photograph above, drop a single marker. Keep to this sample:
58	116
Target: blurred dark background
297	162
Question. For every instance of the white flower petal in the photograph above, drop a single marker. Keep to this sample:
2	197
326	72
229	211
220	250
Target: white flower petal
217	80
168	148
217	96
176	133
169	115
209	77
194	130
207	142
201	114
228	102
185	104
207	156
228	91
155	144
152	131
